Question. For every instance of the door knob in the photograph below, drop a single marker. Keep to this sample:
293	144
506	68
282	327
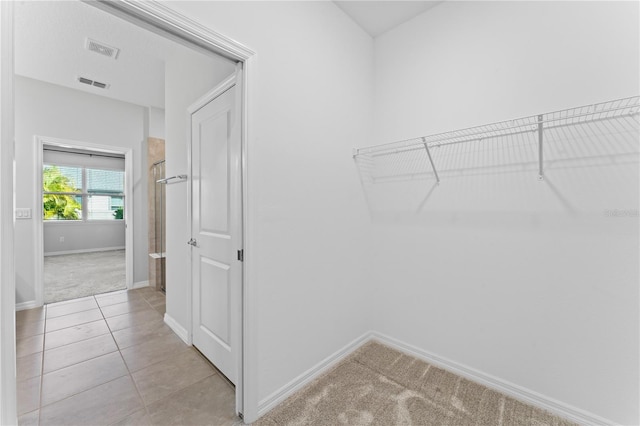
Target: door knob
192	242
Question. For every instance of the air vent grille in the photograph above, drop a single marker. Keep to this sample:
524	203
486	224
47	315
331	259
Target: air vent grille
102	49
93	83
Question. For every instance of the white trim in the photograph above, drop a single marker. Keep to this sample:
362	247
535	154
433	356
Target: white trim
40	141
38	231
8	397
163	20
177	328
154	15
239	241
510	389
203	100
128	216
26	305
311	374
249	385
95	250
140	284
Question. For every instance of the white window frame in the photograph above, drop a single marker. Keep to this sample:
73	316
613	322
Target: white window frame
84	193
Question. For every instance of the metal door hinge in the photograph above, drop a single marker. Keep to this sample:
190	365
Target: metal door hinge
241	255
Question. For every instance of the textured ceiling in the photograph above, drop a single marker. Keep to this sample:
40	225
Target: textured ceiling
378	17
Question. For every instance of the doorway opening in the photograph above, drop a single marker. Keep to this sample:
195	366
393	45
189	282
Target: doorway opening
85	232
174	27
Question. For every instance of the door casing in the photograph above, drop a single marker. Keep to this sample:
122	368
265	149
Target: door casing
171	24
40	141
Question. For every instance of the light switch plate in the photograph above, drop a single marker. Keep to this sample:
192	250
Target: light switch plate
23	213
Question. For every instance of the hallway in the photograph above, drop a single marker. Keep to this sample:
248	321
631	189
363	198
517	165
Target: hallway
110	359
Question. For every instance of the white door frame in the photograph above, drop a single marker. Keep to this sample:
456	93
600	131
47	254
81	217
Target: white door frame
40	142
157	17
8	397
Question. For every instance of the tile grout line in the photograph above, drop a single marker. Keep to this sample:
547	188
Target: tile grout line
135	384
85	390
119	350
214	372
78	341
40	406
78	362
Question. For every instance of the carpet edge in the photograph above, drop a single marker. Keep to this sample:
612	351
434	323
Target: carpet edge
507	388
280	395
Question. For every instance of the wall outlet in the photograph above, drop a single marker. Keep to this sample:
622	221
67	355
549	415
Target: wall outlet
62	239
23	213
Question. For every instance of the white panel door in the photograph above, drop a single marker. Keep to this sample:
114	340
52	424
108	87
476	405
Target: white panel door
216	218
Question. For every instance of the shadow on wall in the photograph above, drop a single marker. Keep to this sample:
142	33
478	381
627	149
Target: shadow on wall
489	174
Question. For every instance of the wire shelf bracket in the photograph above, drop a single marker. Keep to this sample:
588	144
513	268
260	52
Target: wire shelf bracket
540	151
433	166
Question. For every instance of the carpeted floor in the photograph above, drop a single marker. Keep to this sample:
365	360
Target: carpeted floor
380	386
71	276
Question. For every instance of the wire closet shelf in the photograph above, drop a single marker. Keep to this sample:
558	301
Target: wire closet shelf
589	121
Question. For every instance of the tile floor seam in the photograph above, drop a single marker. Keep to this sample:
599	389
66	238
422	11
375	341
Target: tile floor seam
82	391
71	326
78	341
152	363
133	380
169	396
40	405
213	373
76	363
143	406
71	313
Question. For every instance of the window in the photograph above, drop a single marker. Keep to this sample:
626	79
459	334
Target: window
80	193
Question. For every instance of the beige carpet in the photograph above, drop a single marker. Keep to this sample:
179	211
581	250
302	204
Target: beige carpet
71	276
380	386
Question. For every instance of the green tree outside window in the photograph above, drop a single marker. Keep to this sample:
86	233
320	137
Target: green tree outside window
57	202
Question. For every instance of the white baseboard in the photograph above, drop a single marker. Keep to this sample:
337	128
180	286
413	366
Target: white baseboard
27	305
308	376
517	392
59	253
140	284
177	328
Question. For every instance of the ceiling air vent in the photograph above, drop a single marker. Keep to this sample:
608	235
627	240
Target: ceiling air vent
102	49
93	83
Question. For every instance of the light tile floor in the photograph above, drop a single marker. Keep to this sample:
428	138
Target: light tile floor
110	359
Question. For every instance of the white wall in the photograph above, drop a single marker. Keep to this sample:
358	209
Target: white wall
311	101
47	110
156	123
82	236
188	76
528	281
